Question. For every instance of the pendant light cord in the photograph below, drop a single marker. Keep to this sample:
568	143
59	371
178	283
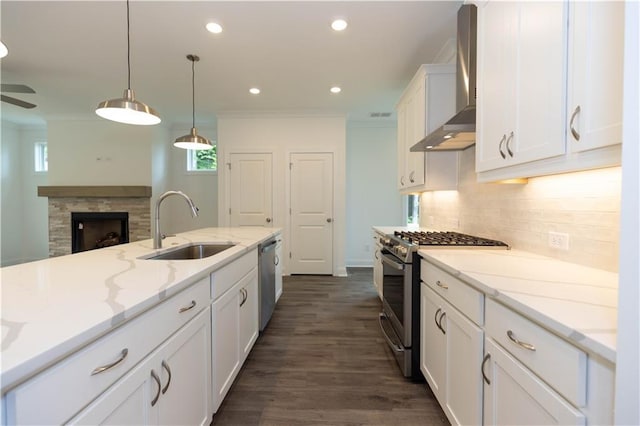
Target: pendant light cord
128	51
193	93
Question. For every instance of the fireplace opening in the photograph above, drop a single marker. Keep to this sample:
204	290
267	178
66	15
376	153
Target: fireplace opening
93	230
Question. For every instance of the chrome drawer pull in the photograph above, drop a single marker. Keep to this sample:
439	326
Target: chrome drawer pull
484	361
186	308
574	132
525	345
502	154
442	316
508	145
245	296
441	285
435	318
166	367
157	379
123	355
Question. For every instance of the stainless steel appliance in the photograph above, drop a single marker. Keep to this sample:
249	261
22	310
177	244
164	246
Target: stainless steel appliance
400	316
267	280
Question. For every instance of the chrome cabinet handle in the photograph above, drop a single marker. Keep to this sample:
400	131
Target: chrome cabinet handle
411	176
376	254
435	318
276	260
442	285
527	346
123	355
186	308
268	220
502	154
157	379
574	132
245	296
442	316
166	367
402	180
508	145
484	361
329	220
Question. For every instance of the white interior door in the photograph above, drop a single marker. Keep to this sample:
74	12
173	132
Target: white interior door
250	189
311	183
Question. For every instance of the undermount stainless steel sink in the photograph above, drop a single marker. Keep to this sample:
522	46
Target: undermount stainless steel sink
192	251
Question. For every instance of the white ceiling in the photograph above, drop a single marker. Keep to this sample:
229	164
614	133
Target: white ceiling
73	53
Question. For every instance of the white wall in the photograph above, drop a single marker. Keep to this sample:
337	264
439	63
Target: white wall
99	152
372	196
282	135
202	187
23	214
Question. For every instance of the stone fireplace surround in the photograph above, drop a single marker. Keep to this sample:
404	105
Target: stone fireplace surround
63	200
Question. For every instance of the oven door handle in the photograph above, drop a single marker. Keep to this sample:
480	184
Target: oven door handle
395	265
395	347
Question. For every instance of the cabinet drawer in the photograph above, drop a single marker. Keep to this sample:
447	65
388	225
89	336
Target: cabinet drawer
557	362
58	393
224	278
468	300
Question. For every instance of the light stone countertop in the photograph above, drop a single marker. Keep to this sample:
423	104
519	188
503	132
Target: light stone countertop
53	307
577	302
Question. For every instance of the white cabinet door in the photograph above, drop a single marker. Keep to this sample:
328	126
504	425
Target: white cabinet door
185	374
170	386
250	189
415	131
464	351
595	74
521	82
515	396
432	342
249	321
377	267
225	325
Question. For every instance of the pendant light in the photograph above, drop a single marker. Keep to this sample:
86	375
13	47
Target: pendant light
127	109
193	140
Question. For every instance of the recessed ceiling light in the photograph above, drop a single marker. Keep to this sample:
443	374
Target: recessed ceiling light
254	91
214	27
335	89
339	24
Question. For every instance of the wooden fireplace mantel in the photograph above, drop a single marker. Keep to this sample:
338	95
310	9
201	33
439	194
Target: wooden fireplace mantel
95	191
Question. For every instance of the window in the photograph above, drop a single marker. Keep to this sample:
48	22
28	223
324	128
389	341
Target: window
413	209
202	160
40	156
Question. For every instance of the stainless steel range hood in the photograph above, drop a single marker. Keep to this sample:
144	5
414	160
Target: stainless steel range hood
459	132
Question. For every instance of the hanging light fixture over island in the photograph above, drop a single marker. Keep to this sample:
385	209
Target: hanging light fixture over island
127	109
193	140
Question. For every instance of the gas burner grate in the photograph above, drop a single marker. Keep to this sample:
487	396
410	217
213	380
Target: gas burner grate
436	238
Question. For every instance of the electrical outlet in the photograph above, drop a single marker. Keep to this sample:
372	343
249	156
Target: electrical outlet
559	240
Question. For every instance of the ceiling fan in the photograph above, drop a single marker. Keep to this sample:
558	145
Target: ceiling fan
16	88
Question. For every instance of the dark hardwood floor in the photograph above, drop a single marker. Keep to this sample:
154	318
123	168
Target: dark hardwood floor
322	360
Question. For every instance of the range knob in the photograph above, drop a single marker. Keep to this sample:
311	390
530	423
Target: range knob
401	250
385	241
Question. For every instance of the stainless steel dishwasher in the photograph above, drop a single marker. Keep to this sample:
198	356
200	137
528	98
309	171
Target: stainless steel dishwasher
267	280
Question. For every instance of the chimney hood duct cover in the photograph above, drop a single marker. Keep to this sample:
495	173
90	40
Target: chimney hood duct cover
458	133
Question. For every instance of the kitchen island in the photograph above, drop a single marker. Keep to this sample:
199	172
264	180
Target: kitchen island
55	308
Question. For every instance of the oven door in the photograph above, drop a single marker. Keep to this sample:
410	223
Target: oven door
396	292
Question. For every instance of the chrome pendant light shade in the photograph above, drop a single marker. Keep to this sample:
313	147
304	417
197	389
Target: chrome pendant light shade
193	140
127	109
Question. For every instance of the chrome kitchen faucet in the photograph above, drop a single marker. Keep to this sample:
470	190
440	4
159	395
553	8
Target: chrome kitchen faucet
158	237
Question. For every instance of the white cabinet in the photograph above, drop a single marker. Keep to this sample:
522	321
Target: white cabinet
549	87
596	42
427	102
235	322
514	395
279	262
377	264
170	386
521	82
86	374
451	349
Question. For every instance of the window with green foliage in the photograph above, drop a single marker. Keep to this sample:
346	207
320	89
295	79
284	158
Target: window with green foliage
413	209
202	160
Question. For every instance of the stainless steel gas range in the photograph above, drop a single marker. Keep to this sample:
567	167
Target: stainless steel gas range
400	316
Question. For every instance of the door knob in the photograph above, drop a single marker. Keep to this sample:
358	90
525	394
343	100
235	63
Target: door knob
268	220
329	220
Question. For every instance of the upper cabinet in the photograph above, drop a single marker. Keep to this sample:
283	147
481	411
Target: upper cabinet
521	80
427	102
549	87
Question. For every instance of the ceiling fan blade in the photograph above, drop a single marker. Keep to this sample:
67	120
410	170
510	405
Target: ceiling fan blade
16	88
17	102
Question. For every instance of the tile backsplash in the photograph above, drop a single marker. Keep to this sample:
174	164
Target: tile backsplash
584	205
